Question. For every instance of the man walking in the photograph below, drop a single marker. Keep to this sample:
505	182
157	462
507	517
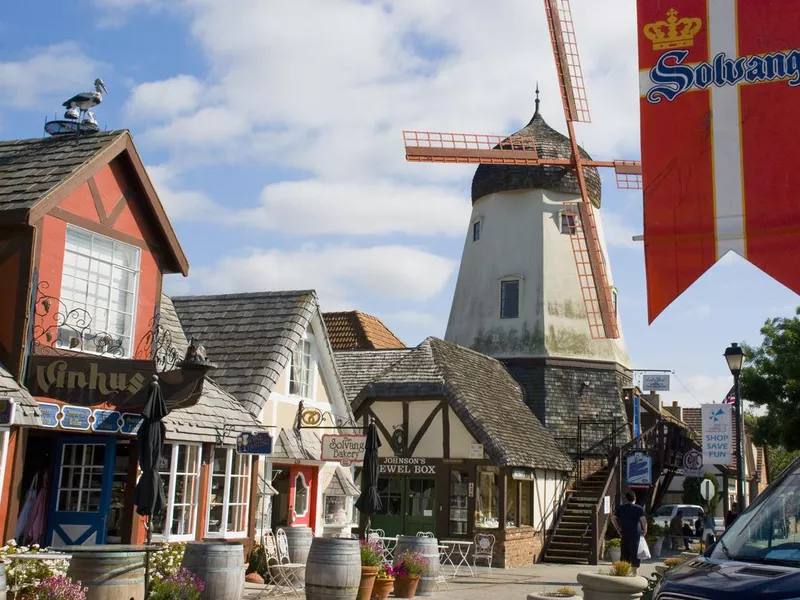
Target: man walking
630	523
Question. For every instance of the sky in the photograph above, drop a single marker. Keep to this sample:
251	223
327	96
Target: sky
273	133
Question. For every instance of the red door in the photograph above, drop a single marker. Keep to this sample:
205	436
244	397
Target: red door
302	495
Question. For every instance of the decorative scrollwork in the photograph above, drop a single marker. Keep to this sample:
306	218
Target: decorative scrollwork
60	330
158	344
314	417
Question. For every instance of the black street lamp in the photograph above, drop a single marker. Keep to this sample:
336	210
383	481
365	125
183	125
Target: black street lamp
735	357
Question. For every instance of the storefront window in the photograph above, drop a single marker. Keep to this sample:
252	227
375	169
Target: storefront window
228	493
487	510
511	502
459	493
336	512
526	503
390	490
300	495
180	472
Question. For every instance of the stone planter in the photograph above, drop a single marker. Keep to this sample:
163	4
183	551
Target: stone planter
382	589
551	596
368	575
661	569
597	586
614	554
406	586
656	548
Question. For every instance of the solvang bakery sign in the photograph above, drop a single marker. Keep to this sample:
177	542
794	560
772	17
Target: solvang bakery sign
90	381
345	449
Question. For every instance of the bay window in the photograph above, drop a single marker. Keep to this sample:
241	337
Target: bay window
228	495
99	284
487	503
180	472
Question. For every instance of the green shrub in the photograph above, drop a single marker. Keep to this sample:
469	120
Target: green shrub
613	543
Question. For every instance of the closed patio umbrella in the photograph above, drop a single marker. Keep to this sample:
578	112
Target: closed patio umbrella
369	502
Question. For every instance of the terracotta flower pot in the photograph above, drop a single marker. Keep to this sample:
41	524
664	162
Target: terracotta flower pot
368	575
382	589
597	586
406	586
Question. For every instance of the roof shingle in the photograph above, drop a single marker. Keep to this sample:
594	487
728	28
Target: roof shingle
354	330
26	410
358	367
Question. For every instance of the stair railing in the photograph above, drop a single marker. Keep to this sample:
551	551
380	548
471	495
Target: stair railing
599	518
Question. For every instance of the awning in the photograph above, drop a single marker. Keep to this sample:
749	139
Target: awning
298	444
341	485
265	488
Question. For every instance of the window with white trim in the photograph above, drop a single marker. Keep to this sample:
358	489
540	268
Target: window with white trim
229	491
100	276
509	298
180	472
300	507
302	370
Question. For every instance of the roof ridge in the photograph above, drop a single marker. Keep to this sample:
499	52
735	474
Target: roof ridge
261	294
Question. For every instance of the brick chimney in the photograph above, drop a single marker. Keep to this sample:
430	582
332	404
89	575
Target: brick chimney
675	410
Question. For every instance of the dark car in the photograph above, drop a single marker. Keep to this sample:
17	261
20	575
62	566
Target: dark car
757	557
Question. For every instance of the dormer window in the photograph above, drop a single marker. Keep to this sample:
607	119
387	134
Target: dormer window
509	298
300	375
476	231
99	286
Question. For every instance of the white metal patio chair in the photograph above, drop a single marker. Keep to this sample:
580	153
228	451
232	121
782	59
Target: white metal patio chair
425	534
283	573
484	547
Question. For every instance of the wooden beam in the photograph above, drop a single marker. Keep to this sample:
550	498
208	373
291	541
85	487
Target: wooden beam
445	429
423	430
98	202
98	228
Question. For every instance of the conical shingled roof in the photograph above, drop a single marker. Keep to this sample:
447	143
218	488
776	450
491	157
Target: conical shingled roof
491	179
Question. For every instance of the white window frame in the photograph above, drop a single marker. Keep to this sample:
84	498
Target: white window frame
479	223
615	300
169	510
224	533
136	278
300	475
509	278
312	369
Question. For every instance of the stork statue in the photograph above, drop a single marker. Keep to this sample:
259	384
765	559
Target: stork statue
81	103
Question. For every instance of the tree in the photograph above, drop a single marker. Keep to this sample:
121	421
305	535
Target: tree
771	379
692	495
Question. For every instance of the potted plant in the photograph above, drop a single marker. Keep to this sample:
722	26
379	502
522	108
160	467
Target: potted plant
371	557
183	584
407	571
384	583
613	549
616	582
656	532
563	592
60	588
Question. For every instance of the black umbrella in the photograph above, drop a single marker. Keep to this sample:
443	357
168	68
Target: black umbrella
369	502
149	496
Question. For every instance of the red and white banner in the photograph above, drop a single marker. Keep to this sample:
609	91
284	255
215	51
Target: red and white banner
720	91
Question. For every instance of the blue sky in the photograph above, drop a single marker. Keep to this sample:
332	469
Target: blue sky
272	131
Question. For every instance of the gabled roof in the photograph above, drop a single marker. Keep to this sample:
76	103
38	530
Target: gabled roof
484	396
354	330
217	417
37	174
26	411
251	338
359	367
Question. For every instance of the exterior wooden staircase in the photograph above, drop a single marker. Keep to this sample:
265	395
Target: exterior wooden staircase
571	541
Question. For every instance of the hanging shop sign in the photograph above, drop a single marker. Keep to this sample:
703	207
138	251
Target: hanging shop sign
6	410
81	418
693	464
717	434
89	381
254	442
638	469
345	449
655	382
719	89
397	465
523	474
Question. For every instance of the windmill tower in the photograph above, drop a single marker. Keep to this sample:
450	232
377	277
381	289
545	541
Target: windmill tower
534	288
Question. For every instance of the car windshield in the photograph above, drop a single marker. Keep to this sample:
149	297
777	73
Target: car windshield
665	511
770	531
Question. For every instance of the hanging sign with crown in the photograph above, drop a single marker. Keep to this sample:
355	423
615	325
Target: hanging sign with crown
719	87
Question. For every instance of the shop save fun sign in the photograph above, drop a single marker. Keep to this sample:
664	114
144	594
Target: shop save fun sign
719	91
345	449
717	434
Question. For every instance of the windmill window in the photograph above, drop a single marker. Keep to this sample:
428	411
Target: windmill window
509	299
476	231
567	223
614	299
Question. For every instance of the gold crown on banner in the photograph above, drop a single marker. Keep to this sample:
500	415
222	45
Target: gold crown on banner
674	32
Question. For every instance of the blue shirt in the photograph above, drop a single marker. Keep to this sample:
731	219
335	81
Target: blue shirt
629	516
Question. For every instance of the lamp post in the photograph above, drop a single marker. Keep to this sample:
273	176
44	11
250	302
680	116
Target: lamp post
735	357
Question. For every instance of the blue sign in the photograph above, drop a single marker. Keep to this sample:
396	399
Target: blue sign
106	421
638	469
75	417
254	442
131	423
49	414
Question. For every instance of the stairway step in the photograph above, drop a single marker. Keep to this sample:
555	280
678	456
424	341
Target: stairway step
578	553
569	543
566	560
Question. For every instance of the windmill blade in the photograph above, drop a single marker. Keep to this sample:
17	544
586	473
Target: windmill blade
629	174
568	62
472	148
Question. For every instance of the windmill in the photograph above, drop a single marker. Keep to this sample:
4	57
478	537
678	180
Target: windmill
437	147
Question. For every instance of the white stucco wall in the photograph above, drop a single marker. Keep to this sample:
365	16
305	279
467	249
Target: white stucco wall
521	236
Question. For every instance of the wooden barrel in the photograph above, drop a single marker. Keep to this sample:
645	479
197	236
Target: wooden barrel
109	575
299	539
429	549
333	569
220	565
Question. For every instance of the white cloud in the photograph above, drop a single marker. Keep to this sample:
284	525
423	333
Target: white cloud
45	76
316	207
341	274
697	389
410	317
159	100
180	204
618	234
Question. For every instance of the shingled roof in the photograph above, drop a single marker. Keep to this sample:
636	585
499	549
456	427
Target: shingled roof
26	411
217	417
482	394
354	330
359	367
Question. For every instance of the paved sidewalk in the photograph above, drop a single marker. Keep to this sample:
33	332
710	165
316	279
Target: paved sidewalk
508	584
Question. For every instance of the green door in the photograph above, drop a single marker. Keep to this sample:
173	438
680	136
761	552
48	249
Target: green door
391	515
420	505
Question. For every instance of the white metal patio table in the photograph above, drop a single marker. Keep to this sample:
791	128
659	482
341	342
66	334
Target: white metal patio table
459	550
